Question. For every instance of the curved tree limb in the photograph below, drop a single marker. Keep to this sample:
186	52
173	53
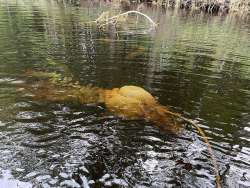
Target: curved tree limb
105	19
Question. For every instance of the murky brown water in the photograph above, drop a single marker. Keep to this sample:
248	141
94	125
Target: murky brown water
197	65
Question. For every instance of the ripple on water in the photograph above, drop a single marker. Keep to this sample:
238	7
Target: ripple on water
9	181
30	115
239	172
247	128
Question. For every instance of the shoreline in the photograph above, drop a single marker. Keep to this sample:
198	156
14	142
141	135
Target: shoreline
239	8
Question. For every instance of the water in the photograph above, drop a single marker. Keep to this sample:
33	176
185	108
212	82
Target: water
197	65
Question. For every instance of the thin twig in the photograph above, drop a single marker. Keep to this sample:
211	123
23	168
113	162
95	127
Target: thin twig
210	151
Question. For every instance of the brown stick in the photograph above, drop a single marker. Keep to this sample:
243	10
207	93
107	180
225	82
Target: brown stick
210	150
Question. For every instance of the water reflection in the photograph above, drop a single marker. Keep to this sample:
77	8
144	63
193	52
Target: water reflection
198	65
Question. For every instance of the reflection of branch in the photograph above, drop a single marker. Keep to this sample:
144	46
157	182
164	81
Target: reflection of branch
135	12
104	19
210	151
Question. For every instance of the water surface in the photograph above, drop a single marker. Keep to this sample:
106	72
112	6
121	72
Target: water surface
197	65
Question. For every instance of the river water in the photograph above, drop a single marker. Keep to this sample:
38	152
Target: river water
197	65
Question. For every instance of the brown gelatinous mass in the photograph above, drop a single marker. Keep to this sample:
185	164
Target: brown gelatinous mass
128	102
132	102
